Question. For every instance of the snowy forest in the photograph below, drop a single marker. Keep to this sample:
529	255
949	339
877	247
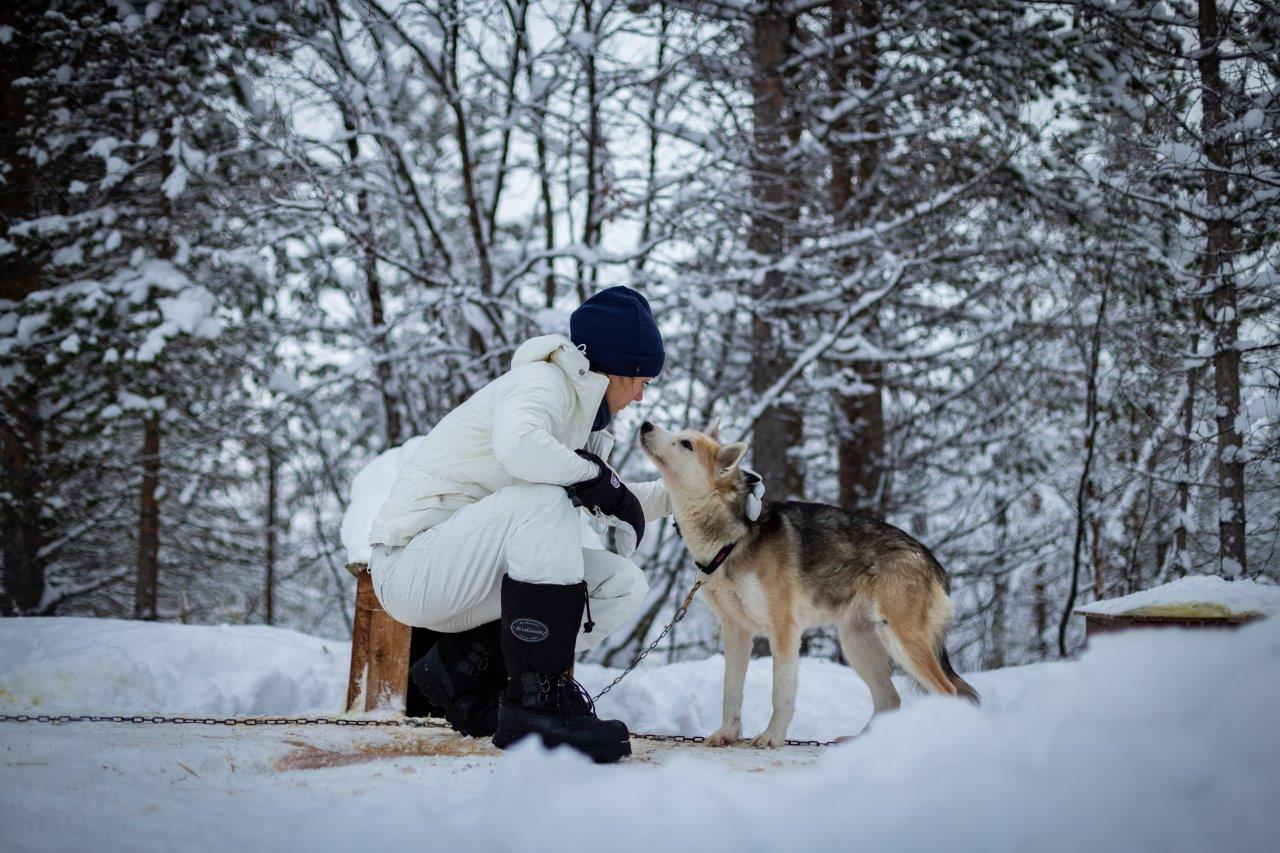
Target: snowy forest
1005	274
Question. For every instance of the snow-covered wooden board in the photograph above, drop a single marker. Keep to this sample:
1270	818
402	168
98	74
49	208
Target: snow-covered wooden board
1196	596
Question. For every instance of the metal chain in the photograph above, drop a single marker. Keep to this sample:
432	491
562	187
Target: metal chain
410	722
414	722
680	612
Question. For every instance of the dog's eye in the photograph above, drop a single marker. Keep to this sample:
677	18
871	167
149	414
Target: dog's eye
688	445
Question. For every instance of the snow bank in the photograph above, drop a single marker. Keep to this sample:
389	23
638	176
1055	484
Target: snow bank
73	665
1164	741
1234	598
69	665
1152	741
369	491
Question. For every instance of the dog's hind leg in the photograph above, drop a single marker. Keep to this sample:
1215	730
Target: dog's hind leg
784	645
867	655
737	653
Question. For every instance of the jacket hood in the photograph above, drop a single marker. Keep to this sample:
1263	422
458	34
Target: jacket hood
554	348
561	352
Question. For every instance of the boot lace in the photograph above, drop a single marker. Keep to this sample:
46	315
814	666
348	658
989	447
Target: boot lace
573	698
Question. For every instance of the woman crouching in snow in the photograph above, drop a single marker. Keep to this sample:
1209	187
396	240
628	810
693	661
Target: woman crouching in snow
480	538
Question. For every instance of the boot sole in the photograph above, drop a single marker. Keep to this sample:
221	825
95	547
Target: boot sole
605	753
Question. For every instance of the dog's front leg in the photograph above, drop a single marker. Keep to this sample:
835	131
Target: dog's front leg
784	645
737	653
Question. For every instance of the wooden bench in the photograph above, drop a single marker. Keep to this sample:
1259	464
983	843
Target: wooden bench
1192	602
381	651
1098	623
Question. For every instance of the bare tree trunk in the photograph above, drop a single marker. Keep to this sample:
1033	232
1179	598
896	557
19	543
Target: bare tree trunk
1097	556
780	427
377	319
1039	592
538	109
269	593
1040	611
549	227
1180	561
462	137
655	100
1084	487
22	526
373	291
590	220
1226	321
144	603
21	427
999	648
860	471
386	379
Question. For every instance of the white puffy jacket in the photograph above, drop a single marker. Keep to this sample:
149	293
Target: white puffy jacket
522	426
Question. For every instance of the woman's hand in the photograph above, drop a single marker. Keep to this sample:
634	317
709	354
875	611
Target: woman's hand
607	495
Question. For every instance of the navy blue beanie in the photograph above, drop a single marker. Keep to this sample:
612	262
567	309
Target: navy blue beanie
617	329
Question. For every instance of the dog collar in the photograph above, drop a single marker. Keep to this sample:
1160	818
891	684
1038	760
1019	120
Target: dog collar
717	560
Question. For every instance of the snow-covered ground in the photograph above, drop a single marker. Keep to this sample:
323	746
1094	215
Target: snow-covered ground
1151	741
112	666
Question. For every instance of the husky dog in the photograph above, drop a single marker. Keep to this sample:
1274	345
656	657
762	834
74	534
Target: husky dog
776	569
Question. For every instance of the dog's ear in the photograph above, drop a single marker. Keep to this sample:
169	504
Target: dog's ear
713	429
730	456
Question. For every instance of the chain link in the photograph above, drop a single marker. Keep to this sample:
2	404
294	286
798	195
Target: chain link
680	612
415	722
410	722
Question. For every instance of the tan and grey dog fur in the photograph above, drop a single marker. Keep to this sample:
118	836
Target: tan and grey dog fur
803	565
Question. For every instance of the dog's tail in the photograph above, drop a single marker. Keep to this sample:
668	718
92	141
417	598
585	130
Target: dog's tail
913	612
963	687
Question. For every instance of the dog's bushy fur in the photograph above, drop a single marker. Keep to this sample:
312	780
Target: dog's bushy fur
803	565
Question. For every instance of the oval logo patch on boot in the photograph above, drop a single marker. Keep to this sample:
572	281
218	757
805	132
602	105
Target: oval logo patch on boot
529	630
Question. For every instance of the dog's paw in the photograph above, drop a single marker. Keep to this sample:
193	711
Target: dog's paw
723	737
768	740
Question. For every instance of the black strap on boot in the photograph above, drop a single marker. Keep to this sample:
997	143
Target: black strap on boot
463	676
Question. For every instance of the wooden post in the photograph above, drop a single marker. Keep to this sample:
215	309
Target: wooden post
379	677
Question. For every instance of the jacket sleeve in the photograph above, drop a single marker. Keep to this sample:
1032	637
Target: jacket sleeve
523	442
653	497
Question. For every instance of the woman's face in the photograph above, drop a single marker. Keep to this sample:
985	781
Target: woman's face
624	390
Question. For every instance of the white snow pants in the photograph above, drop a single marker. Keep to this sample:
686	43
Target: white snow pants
449	577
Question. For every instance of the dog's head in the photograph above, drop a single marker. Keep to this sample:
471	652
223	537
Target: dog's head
695	466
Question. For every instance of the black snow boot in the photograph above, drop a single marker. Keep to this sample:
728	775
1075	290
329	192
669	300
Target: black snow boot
463	675
539	629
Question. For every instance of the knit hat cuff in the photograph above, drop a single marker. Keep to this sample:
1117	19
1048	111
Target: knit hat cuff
605	360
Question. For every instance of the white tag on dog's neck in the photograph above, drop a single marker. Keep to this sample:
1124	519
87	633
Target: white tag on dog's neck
755	498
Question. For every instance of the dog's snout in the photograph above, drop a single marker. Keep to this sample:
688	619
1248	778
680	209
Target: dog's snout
646	427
